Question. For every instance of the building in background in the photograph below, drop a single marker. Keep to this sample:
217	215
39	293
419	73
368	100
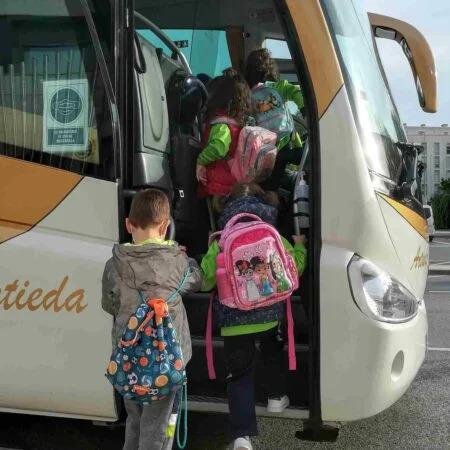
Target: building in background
436	155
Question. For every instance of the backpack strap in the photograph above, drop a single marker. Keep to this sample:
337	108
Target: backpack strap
223	120
258	86
235	219
182	418
214	236
291	339
183	281
208	341
157	307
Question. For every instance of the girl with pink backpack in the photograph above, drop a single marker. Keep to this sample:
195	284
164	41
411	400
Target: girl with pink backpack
255	270
232	151
230	98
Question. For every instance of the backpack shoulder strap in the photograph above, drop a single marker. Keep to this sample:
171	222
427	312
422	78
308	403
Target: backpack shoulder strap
238	217
223	120
186	275
214	236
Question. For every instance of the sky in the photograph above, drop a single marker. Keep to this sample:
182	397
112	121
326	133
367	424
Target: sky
432	19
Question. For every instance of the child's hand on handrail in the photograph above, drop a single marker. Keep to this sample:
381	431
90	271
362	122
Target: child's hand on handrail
299	239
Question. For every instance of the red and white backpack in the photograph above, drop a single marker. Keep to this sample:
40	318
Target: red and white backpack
255	153
253	271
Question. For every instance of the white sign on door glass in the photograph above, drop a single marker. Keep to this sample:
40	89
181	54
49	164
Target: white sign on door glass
65	116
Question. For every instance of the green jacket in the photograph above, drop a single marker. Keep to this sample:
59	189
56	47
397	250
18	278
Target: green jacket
219	141
218	145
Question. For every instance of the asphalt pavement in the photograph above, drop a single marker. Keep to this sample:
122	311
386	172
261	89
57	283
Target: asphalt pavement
419	420
440	251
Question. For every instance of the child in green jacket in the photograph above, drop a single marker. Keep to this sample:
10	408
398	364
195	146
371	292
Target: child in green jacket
261	72
240	329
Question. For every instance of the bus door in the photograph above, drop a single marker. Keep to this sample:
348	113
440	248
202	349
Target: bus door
190	38
58	209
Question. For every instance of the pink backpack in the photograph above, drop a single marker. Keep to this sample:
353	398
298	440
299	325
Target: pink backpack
255	153
253	271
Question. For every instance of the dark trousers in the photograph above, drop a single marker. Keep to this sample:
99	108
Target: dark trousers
240	356
285	156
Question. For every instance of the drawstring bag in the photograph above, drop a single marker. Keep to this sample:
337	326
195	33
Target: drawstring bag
147	364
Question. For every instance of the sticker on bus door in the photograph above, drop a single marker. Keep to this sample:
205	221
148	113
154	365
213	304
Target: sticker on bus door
65	116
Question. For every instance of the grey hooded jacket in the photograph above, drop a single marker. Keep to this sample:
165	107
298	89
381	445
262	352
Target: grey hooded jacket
156	270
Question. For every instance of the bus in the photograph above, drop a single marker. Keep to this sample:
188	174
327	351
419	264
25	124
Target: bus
91	111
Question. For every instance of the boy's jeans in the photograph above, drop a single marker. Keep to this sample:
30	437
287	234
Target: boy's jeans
240	360
146	425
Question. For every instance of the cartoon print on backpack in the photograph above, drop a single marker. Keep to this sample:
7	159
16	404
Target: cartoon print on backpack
262	270
278	273
267	104
246	272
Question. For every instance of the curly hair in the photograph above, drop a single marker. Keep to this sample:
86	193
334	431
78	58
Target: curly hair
230	95
260	67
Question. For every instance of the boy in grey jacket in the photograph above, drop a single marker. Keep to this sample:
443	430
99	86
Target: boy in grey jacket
155	267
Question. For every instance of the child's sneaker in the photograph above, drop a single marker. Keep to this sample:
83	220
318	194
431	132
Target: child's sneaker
277	404
242	443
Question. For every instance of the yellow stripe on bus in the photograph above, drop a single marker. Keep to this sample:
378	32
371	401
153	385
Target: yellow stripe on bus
28	192
418	222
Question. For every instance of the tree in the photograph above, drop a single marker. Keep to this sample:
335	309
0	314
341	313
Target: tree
441	205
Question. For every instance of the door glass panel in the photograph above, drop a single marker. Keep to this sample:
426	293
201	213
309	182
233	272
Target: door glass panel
53	107
205	50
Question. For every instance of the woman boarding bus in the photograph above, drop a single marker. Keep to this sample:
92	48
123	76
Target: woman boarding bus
96	103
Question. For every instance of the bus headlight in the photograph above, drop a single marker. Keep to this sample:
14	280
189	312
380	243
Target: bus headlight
378	295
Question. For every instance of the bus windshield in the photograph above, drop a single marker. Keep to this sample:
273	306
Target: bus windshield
377	118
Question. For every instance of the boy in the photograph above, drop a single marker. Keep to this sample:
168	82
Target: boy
154	266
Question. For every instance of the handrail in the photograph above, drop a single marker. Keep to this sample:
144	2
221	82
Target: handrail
166	39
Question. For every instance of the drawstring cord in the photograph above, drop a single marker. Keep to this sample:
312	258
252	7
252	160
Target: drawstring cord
182	418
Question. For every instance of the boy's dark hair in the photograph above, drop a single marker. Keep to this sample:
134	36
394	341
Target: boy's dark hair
260	67
149	208
229	95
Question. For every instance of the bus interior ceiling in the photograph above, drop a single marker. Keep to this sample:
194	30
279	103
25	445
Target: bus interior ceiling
179	149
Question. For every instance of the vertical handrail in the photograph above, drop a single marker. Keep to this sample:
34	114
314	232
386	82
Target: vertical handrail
45	79
69	72
91	109
2	94
80	76
57	67
24	107
34	89
13	107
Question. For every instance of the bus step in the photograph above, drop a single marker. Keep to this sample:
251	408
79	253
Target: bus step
218	343
202	403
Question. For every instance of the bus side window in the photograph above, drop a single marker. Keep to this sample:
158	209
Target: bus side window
53	107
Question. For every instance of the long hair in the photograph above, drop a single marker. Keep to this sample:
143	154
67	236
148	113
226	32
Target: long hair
254	190
230	95
260	67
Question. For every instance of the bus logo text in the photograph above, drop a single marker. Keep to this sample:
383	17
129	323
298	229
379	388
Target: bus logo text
420	260
20	296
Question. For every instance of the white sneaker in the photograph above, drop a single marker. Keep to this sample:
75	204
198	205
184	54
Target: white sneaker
242	443
277	404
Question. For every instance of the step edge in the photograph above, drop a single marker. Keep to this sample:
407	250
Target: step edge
261	411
